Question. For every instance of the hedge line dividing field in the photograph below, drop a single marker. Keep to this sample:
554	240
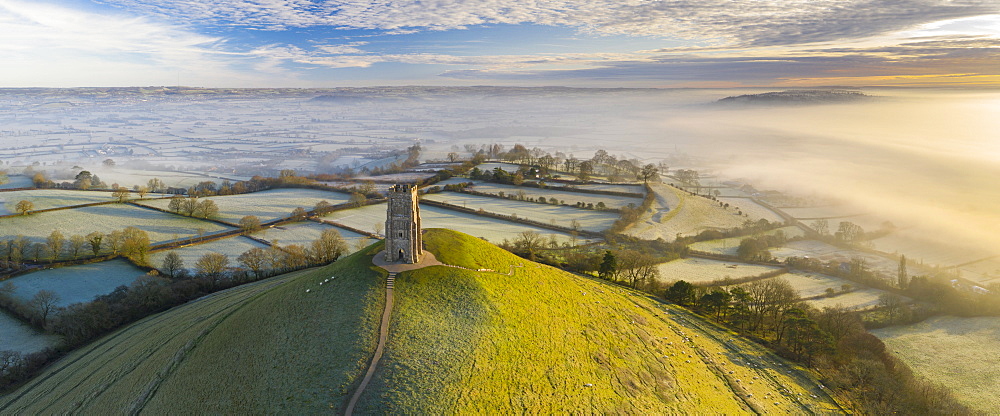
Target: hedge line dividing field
511	219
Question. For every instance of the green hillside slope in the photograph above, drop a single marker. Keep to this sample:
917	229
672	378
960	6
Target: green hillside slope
265	347
544	341
524	339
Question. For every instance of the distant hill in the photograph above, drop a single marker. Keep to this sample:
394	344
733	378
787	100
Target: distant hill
795	97
527	338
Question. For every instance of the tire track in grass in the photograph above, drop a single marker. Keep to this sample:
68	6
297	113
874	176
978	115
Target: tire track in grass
135	363
803	381
101	349
168	370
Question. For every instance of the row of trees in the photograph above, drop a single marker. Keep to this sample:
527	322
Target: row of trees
833	340
131	242
173	285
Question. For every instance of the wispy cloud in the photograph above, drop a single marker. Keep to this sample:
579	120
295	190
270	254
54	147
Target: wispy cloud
724	21
44	44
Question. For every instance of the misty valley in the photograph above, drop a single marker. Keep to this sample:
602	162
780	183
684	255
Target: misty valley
796	247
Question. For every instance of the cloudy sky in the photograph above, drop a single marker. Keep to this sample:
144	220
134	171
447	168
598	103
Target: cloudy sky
629	43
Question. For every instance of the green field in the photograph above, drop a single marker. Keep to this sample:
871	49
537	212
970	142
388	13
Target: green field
538	340
963	354
543	341
79	283
590	220
697	270
267	205
266	347
105	218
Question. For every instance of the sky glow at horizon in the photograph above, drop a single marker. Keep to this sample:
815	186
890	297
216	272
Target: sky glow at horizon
600	43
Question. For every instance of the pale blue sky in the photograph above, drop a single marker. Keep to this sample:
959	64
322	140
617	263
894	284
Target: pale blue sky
668	43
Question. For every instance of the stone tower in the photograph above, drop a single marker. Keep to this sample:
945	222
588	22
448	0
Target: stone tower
403	242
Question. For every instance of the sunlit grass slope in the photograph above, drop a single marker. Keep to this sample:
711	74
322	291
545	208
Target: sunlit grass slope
267	347
545	341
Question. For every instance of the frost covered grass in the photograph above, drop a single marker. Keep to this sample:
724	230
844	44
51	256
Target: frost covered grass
963	354
752	209
20	337
50	198
491	229
568	197
267	205
678	213
231	247
729	246
590	220
106	218
304	233
297	353
79	283
696	270
859	298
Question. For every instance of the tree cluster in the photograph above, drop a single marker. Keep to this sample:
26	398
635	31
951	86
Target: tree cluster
851	360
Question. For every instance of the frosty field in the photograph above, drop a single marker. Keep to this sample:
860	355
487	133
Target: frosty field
18	336
857	298
50	198
304	233
814	284
695	270
494	230
729	246
105	218
17	181
79	283
677	213
567	197
963	354
752	209
267	205
591	220
232	247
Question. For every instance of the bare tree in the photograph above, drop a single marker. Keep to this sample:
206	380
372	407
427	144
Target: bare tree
172	264
249	223
212	266
135	244
328	247
299	214
648	173
120	193
23	207
56	241
44	302
322	208
76	243
255	260
95	239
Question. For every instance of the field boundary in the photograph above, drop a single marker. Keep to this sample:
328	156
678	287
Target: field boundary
510	218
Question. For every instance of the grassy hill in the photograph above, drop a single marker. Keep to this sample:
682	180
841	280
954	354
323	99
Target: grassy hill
526	339
266	347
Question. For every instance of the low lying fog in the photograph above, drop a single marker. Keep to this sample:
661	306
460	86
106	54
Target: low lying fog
925	159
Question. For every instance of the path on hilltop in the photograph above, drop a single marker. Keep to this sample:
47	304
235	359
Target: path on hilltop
427	260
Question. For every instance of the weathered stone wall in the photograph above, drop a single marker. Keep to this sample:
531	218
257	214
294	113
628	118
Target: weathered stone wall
403	241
